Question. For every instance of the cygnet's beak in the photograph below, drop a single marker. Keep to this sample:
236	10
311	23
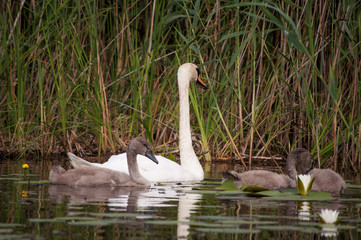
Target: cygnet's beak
149	154
200	82
311	168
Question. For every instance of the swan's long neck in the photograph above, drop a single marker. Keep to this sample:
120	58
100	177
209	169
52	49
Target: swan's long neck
188	157
133	168
185	138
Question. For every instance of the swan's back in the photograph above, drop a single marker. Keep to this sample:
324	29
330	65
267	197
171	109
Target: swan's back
166	170
260	178
327	180
89	176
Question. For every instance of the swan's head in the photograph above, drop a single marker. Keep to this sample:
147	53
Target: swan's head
189	72
141	146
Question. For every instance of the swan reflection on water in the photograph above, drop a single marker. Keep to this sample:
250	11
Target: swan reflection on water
143	200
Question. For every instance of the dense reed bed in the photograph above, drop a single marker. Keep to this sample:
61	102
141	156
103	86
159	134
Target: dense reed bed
87	76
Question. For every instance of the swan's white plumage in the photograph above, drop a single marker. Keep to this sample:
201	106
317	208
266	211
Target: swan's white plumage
167	170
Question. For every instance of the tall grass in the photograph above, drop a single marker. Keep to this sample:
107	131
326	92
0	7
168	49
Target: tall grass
88	76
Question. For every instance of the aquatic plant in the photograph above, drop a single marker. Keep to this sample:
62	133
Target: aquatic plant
329	216
304	184
89	76
25	167
24	193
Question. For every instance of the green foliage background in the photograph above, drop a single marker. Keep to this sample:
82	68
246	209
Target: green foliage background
87	76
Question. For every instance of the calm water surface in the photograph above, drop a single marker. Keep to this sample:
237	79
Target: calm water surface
36	210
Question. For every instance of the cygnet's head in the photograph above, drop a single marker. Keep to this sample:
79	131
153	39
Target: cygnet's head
191	73
300	159
141	146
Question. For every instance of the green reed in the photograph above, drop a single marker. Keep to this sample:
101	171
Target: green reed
89	76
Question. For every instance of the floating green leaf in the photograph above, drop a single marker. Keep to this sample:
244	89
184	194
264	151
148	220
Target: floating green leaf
10	225
254	188
228	185
116	214
163	222
10	178
289	228
227	230
90	223
312	196
44	220
33	182
76	218
270	193
357	186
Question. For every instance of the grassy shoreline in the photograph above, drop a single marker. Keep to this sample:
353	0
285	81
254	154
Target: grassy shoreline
88	76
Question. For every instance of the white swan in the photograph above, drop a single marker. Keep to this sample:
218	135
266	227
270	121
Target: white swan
167	170
95	176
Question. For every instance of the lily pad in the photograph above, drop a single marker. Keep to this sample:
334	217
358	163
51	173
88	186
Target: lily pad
5	231
345	227
76	218
234	197
44	220
11	225
288	228
254	189
228	230
10	178
13	236
350	200
216	192
355	186
115	215
276	217
206	192
90	223
217	218
163	222
228	185
28	175
312	196
230	192
33	182
268	193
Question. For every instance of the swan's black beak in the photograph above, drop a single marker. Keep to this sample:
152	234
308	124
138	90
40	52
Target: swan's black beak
149	154
200	82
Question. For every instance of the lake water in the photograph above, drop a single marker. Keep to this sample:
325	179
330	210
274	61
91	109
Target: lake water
36	210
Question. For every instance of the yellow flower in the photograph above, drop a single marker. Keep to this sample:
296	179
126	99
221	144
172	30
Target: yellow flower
25	166
24	193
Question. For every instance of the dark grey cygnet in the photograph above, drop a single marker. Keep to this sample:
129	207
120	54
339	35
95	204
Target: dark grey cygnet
268	179
326	180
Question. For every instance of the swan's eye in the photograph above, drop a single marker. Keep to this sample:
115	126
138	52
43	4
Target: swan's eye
198	71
